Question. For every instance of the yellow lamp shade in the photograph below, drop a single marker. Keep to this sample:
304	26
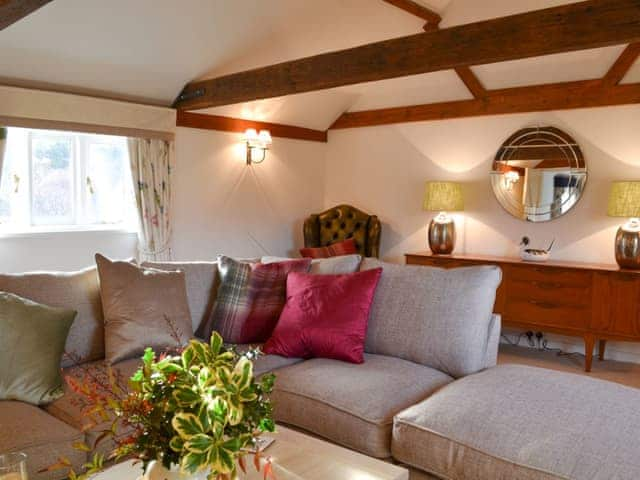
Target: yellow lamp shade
624	199
443	197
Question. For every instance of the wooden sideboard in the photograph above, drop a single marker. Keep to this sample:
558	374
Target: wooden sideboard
593	301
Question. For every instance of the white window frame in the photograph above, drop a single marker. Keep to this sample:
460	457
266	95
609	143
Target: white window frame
23	225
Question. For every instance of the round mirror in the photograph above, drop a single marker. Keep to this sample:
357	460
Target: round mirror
538	174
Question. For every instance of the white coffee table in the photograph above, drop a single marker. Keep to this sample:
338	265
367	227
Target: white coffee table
297	456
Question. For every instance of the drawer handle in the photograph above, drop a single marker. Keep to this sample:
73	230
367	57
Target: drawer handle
542	304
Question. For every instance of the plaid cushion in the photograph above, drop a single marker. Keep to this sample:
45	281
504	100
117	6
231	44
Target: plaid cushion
250	299
346	247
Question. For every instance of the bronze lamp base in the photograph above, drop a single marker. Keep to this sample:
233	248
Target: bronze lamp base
628	248
442	236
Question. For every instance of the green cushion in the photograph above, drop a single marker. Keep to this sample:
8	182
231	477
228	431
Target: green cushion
31	346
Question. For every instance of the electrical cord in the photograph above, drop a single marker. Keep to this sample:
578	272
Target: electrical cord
538	342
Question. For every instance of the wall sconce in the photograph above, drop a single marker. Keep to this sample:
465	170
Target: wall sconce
257	145
510	178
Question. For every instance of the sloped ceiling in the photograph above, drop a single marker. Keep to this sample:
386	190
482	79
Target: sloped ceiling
147	50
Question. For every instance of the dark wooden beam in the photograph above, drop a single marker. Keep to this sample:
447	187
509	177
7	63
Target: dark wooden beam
589	24
471	82
622	65
13	10
229	124
558	96
409	6
465	73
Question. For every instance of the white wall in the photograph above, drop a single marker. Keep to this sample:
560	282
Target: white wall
223	206
383	169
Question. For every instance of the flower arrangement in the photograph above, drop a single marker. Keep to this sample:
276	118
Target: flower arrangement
201	409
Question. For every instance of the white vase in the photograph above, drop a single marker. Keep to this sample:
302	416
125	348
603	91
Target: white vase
156	471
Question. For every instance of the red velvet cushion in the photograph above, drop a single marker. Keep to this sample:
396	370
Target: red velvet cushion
346	247
325	316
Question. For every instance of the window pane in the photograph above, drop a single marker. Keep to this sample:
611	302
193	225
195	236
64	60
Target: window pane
52	180
105	184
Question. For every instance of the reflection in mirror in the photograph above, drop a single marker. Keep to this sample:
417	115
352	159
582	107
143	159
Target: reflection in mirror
538	174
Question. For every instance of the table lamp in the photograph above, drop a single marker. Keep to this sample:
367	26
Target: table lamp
442	197
624	201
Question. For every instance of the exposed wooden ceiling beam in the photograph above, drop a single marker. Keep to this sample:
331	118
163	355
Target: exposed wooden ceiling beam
428	15
471	82
558	96
589	24
622	65
464	73
229	124
13	10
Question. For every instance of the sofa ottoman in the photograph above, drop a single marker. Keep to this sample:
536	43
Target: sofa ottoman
352	404
44	438
515	421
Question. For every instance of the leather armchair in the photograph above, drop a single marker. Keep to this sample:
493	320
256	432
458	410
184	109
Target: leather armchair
340	223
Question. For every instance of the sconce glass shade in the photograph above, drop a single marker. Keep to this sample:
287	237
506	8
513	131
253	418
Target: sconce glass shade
443	197
624	199
257	145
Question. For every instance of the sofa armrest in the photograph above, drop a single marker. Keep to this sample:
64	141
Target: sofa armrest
493	340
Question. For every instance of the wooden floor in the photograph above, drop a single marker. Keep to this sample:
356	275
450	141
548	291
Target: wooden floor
620	372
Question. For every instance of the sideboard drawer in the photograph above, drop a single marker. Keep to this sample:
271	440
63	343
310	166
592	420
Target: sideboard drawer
550	291
546	313
551	276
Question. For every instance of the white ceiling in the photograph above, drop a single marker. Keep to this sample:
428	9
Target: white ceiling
148	49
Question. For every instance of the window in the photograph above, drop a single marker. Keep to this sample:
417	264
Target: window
60	180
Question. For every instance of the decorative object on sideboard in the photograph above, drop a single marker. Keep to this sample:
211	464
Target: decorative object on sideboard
257	145
538	174
534	254
442	197
624	201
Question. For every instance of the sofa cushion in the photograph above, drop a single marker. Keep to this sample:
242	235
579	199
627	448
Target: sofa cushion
42	437
352	404
523	422
202	285
143	307
78	291
31	346
432	316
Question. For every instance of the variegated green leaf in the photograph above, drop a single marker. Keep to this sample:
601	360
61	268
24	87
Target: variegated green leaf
215	343
176	444
243	373
186	397
192	462
200	443
187	425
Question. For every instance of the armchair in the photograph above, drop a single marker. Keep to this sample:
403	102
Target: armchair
340	223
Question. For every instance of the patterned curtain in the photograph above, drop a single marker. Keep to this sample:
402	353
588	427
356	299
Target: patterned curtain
151	172
3	147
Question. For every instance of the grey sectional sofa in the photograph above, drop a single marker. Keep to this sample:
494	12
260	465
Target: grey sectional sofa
428	394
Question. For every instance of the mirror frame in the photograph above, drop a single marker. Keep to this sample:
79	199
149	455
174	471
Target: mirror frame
552	142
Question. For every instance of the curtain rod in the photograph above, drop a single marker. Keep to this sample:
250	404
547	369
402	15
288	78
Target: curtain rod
23	122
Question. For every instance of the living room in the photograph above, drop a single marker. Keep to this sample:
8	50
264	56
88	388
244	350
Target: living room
186	147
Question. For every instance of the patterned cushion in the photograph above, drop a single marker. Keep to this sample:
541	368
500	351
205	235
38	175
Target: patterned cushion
346	247
250	299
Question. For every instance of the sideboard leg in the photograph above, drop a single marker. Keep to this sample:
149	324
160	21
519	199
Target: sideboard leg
601	346
589	343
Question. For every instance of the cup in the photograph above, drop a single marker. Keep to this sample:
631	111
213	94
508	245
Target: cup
13	466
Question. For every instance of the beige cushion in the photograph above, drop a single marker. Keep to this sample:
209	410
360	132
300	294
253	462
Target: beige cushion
202	285
439	318
78	291
32	341
143	307
327	266
352	404
525	423
42	437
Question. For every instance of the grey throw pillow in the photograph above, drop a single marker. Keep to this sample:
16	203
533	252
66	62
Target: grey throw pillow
31	346
143	307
